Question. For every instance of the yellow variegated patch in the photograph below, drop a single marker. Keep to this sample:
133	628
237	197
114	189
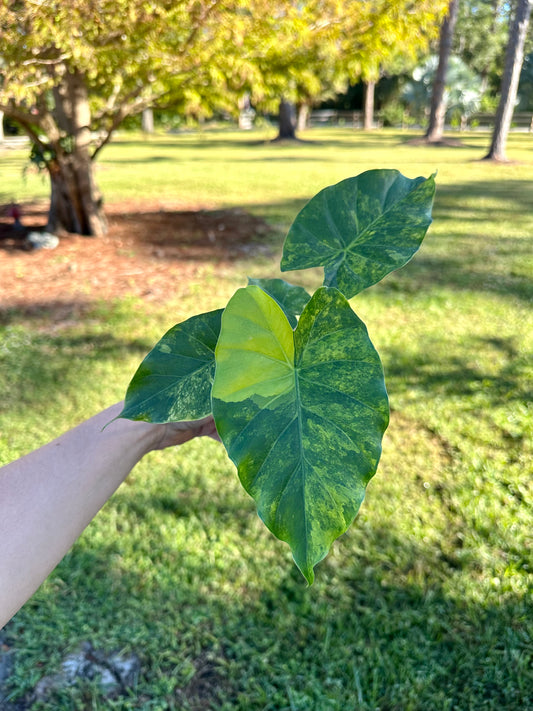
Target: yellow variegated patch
255	353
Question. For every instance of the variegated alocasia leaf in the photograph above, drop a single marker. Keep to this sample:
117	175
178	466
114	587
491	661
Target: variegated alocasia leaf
301	413
361	229
174	380
291	298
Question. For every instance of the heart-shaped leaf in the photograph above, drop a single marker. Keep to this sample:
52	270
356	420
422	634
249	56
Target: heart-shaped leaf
291	298
361	229
301	413
174	381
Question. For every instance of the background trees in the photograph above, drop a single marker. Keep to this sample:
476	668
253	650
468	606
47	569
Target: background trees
462	91
307	52
72	72
480	38
290	57
438	103
383	37
511	75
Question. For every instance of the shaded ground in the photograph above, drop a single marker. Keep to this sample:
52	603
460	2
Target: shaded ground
143	252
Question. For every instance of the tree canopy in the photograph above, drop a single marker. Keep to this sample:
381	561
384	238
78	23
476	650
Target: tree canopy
481	36
307	52
130	53
72	71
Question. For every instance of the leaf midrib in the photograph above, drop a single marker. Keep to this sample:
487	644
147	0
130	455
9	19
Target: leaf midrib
304	463
360	237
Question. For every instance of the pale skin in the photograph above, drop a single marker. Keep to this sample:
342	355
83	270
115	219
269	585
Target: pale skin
48	497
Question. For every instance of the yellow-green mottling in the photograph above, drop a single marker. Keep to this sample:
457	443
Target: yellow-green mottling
361	229
174	380
307	442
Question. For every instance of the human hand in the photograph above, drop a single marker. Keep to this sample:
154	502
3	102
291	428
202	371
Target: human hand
173	433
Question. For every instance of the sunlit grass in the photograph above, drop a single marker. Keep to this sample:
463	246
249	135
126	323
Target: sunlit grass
426	602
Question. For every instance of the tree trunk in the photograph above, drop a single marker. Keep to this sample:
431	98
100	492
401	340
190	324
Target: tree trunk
438	104
75	202
147	121
514	58
287	121
1	127
303	116
368	108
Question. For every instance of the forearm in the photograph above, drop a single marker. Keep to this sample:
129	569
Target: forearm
48	497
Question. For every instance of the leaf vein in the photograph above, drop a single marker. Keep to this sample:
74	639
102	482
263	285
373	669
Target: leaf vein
350	397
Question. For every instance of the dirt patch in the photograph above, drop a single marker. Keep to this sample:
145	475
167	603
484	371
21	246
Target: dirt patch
148	249
205	685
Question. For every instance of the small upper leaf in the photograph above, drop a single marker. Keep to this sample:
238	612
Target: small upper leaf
301	414
291	298
361	229
174	381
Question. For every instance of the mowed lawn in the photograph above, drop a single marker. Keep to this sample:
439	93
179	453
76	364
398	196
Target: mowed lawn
426	602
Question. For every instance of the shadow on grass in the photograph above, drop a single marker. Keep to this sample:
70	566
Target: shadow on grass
56	311
246	158
39	366
207	144
452	375
374	631
426	273
478	199
307	141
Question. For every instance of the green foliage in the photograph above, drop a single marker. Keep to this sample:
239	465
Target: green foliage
525	86
291	298
59	81
480	38
174	380
300	404
423	604
385	37
301	415
361	229
463	92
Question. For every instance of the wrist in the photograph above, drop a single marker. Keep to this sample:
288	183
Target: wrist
138	437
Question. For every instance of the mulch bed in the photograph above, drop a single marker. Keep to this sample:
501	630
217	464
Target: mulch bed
147	251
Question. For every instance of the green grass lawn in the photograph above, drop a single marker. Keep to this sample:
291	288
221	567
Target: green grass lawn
426	603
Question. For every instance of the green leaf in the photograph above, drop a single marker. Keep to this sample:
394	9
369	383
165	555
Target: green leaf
291	298
301	413
174	381
361	229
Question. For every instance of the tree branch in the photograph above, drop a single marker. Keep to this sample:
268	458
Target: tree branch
123	112
26	120
42	62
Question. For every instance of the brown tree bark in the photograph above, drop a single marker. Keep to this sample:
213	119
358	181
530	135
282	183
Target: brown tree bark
368	106
287	121
75	202
514	58
437	110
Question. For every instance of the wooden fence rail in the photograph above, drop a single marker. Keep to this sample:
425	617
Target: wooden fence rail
332	117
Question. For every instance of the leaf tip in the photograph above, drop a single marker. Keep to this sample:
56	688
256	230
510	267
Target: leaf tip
308	572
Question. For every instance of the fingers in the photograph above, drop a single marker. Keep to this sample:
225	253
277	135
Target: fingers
179	432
